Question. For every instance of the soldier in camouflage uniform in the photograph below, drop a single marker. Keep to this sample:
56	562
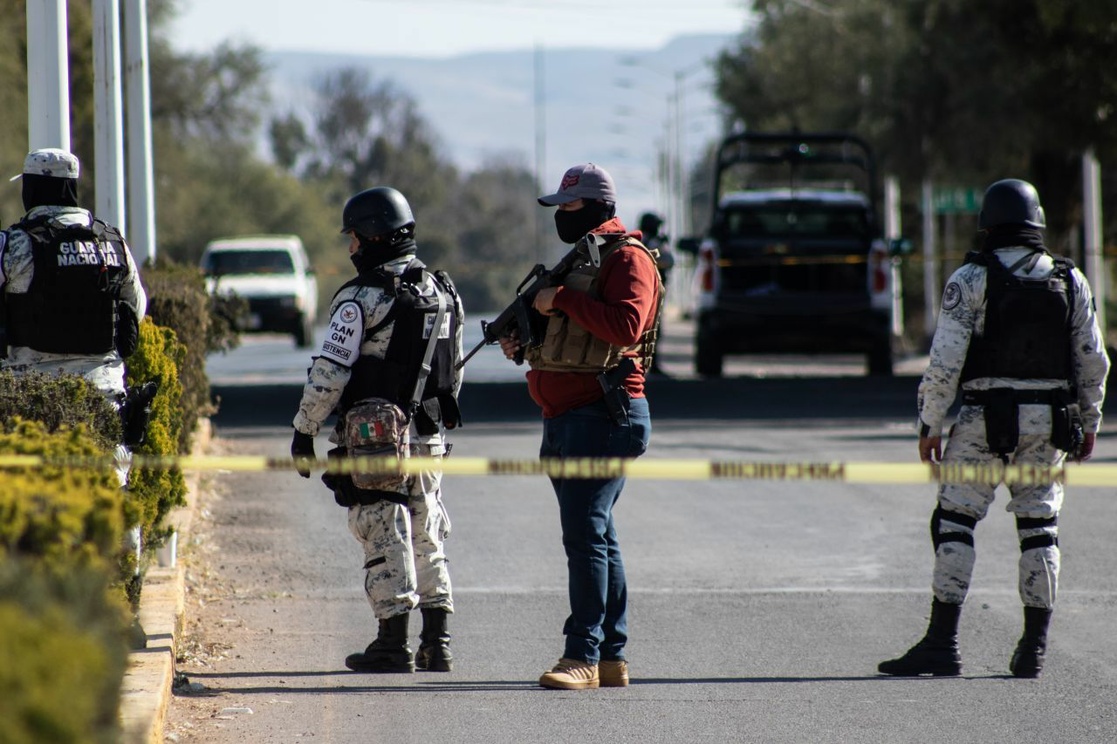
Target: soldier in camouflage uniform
1018	334
373	348
72	295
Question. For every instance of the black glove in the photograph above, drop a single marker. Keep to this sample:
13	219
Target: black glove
302	449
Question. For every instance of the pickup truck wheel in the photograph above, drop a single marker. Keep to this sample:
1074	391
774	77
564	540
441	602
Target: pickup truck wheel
708	356
880	359
304	335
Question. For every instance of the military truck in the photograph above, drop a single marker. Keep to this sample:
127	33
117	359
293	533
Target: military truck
794	259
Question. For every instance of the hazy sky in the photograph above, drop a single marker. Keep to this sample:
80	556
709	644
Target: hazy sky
426	28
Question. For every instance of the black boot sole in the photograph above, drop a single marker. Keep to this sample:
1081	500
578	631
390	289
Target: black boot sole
425	661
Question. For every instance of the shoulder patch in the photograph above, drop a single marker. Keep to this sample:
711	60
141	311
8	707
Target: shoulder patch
343	336
951	296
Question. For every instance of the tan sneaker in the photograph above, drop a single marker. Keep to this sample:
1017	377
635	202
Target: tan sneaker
613	673
571	674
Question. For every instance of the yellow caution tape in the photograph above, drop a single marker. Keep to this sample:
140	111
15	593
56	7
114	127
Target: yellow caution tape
647	468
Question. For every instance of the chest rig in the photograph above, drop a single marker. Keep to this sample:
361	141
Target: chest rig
394	377
568	347
71	304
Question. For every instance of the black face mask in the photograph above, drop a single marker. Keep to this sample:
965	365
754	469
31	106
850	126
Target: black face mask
373	254
46	191
574	224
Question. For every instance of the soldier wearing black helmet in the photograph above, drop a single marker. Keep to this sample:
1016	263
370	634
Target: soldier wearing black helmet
394	318
1019	338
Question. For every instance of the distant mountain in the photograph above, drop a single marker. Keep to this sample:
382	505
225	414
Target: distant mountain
609	107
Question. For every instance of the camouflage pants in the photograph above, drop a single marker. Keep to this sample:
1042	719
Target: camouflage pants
1038	505
405	563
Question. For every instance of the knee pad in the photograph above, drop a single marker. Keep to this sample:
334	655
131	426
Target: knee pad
1050	537
957	520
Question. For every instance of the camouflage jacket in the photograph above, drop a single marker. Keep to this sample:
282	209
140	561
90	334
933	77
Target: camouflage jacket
329	373
963	315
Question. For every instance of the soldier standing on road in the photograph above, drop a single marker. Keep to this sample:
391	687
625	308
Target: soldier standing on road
588	377
1019	335
72	294
380	326
650	224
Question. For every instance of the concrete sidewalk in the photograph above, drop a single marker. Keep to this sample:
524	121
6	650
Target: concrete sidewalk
149	679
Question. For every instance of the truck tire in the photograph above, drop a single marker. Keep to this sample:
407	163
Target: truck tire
304	334
708	355
879	360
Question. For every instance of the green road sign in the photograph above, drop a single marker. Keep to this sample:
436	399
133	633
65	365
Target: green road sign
956	200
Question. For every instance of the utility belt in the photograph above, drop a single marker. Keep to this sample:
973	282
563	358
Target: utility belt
1002	417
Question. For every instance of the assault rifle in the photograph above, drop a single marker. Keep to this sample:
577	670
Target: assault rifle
520	315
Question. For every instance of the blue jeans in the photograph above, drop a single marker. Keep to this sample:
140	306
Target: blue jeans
597	627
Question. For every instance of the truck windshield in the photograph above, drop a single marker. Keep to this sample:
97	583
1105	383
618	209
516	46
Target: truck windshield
248	262
810	220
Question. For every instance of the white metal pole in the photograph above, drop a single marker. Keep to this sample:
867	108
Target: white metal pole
540	147
141	188
108	140
680	146
930	265
48	75
1092	232
893	231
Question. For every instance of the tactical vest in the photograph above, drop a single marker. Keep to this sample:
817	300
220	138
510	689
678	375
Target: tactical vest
394	376
568	347
1027	324
70	306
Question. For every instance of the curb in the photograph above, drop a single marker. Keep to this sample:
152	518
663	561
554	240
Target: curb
149	678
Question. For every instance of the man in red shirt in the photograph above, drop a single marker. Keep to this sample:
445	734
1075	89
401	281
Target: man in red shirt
588	377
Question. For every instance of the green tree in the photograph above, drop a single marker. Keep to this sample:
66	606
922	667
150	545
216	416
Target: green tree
945	89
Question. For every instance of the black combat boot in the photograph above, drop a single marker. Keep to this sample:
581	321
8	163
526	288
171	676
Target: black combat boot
937	653
388	653
434	642
1027	659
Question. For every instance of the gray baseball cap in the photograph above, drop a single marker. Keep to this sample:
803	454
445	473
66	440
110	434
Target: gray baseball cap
585	181
50	161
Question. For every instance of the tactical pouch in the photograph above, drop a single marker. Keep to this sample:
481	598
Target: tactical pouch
346	494
376	427
1067	431
1002	421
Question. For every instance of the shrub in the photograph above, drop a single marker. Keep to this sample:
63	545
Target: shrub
60	516
59	401
154	492
177	299
63	653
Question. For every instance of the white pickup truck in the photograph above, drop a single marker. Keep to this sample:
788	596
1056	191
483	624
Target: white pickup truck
271	272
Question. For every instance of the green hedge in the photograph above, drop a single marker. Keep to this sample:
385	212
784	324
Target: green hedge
154	492
60	516
64	617
59	401
177	300
65	581
63	654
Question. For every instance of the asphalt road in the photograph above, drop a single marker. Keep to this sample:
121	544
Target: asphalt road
758	610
